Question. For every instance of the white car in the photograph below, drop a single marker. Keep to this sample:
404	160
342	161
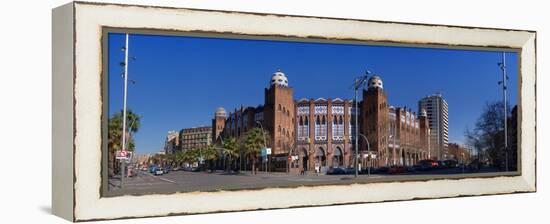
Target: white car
159	171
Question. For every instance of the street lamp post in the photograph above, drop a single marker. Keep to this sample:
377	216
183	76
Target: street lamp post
265	145
502	66
368	152
123	162
359	82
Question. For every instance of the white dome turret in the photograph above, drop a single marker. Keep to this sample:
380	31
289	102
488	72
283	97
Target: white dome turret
220	112
375	82
279	79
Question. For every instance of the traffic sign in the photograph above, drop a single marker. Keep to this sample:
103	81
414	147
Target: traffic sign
123	155
265	152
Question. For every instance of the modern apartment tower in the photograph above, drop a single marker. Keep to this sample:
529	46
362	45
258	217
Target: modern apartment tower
437	111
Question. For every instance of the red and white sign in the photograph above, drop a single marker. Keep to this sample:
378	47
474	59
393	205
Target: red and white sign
123	154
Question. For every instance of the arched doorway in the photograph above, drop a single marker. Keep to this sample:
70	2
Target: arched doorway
320	158
305	159
337	158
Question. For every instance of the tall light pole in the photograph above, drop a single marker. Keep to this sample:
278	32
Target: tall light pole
368	150
123	162
359	82
265	144
502	66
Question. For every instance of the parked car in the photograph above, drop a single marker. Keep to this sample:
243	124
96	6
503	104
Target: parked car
176	168
159	171
397	169
167	169
349	170
450	163
152	168
336	171
383	169
425	165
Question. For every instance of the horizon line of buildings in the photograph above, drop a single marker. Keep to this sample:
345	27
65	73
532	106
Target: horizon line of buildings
319	133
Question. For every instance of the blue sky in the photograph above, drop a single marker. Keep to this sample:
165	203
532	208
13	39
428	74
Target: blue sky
180	81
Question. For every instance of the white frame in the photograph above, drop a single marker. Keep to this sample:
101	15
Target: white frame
77	69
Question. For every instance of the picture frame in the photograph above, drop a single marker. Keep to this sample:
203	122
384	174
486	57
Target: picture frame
78	31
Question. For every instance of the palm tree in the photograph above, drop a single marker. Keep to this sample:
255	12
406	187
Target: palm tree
210	154
179	157
253	142
114	136
231	149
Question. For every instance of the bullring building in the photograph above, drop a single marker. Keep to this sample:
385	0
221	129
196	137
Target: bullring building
320	133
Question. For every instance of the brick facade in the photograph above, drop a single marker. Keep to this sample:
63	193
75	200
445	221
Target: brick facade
319	133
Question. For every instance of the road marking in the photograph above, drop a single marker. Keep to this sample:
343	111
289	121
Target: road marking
171	181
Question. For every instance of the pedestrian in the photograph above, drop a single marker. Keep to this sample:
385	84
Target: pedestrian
317	170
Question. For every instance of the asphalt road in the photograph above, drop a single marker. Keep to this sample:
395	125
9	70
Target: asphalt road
184	181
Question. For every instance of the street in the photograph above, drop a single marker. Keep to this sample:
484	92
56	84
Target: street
185	181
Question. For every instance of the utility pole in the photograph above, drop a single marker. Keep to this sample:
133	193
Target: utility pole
504	96
123	162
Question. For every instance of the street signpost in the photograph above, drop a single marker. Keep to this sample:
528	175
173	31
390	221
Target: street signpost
265	152
123	155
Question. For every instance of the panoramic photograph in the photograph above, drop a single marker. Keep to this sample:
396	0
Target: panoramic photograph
190	113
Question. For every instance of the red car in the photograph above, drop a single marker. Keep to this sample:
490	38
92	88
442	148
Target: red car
397	169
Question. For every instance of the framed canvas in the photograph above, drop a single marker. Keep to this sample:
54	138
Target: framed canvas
157	110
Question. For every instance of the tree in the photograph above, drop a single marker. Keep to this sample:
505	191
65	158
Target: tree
210	154
254	140
488	135
231	149
159	159
114	136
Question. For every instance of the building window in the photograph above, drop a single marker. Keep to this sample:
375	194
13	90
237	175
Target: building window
337	128
320	128
303	128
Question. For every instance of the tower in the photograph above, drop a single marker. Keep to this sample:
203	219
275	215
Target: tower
437	111
425	134
374	114
218	124
279	114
